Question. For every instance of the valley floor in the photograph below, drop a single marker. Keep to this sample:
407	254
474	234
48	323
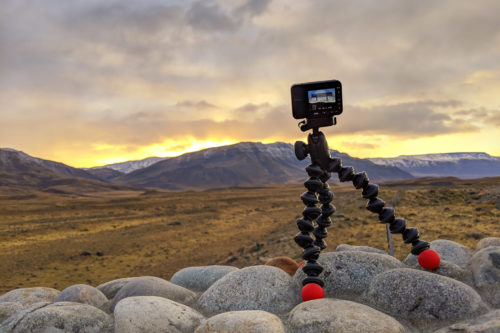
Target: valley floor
56	240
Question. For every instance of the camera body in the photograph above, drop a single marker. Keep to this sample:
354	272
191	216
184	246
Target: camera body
317	102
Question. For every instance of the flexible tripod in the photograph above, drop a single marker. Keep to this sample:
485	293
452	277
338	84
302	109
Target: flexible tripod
318	191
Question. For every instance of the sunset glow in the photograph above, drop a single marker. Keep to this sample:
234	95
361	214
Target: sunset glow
89	83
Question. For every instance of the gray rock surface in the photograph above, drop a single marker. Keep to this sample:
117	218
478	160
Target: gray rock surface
82	293
451	270
259	287
488	241
153	286
485	266
200	278
47	317
347	247
488	323
427	300
111	288
7	309
249	321
331	315
27	296
348	274
154	314
448	250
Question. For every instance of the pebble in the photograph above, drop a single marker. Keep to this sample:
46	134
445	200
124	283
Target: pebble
27	296
259	287
153	286
426	299
154	314
248	321
7	309
448	250
200	278
488	241
44	317
347	274
347	247
285	263
487	323
332	315
110	288
82	293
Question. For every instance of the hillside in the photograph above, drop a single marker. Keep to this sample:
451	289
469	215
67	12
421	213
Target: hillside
242	164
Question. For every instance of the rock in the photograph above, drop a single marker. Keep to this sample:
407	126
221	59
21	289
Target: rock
27	296
448	250
200	278
485	265
427	300
110	288
347	247
154	314
487	323
153	286
7	309
331	315
82	293
285	263
451	270
486	242
252	288
347	274
44	317
249	321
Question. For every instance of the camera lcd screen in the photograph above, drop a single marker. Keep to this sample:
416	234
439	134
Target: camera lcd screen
321	99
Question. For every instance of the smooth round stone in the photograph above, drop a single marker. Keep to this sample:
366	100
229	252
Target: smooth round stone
287	264
486	242
7	309
485	266
347	274
44	317
362	248
249	321
82	293
331	315
259	287
200	278
111	288
27	296
451	270
488	323
154	314
427	300
153	286
448	250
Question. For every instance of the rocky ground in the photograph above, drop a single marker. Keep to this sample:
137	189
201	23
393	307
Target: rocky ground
366	290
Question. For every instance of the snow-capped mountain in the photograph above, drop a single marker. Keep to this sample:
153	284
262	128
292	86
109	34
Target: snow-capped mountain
241	164
129	166
462	165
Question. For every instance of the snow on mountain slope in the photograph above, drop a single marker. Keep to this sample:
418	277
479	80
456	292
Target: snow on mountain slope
129	166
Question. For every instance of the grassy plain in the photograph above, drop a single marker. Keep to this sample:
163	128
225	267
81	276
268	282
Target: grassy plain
57	240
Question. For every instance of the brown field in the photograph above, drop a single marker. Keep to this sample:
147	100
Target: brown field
53	240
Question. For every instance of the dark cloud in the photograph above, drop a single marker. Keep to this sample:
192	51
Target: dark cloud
251	107
195	105
209	16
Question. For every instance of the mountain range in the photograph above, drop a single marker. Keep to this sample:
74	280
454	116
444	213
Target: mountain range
242	164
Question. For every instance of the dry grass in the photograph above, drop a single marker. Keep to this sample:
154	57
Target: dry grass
43	236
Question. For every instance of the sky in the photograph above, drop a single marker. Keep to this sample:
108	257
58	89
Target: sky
91	82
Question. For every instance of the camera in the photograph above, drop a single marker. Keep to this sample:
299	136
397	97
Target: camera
317	102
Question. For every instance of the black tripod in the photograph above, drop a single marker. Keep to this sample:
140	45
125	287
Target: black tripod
319	171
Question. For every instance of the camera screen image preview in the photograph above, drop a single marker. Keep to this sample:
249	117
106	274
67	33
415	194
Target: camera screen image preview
321	101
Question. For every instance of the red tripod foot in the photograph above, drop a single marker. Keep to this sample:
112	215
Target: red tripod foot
429	259
312	291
